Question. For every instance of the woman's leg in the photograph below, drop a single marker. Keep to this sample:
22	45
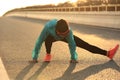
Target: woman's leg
48	43
82	44
94	49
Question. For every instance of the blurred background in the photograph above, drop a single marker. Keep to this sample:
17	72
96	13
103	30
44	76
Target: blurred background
8	5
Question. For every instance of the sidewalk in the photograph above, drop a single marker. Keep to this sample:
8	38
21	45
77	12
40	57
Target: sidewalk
3	73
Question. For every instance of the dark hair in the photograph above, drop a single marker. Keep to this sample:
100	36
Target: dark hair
62	26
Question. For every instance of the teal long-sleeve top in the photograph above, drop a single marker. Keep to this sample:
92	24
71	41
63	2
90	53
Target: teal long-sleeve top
49	29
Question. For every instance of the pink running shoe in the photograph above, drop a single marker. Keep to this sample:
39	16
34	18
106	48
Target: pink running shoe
47	58
112	52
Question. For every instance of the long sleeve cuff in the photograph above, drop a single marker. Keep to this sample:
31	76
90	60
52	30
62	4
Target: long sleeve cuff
74	56
34	55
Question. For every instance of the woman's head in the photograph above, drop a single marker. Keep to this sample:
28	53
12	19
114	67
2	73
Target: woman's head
62	28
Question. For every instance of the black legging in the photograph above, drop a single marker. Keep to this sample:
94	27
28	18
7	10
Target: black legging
79	43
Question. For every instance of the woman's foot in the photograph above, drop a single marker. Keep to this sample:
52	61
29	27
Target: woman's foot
47	58
112	52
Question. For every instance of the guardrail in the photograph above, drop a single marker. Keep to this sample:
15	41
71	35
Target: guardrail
82	8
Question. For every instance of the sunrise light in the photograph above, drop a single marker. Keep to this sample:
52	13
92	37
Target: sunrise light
72	1
6	5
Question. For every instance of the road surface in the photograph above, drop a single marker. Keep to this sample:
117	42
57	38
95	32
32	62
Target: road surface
17	39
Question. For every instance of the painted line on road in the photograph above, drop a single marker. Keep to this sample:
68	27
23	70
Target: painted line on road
3	72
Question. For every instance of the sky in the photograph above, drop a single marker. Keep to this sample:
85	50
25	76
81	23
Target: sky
6	5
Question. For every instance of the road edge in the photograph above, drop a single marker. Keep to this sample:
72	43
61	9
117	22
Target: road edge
3	72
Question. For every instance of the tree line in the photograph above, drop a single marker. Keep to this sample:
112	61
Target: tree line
79	3
97	2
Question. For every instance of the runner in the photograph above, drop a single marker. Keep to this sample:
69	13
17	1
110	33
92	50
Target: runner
59	30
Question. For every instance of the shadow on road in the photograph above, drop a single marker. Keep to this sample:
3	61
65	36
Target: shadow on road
68	72
37	73
26	70
103	32
22	74
91	70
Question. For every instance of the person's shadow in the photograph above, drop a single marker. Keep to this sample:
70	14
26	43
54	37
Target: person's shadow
37	73
25	71
91	70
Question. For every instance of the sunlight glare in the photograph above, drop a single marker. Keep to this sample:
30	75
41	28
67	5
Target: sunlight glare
72	1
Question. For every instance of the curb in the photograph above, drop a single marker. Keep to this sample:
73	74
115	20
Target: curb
3	72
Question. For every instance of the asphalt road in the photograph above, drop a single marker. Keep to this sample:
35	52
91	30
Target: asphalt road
17	39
